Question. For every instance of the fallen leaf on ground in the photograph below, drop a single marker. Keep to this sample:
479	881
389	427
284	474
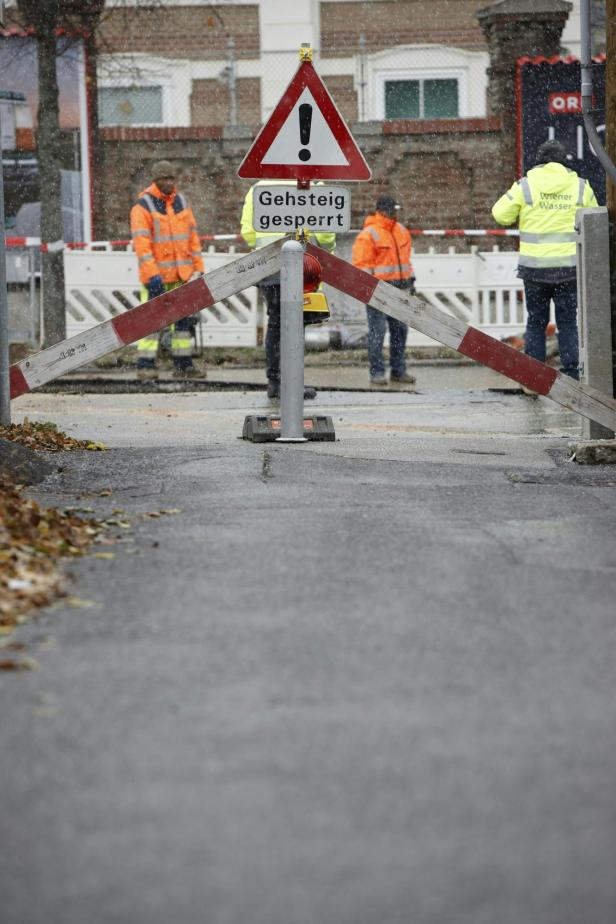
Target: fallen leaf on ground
21	664
45	435
18	584
79	604
32	541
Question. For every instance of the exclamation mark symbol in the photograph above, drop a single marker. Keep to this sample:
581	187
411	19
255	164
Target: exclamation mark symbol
305	121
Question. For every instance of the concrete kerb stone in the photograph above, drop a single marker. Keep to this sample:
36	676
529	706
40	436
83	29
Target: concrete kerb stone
594	452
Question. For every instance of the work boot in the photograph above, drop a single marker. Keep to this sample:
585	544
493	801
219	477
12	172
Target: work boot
405	379
273	391
188	372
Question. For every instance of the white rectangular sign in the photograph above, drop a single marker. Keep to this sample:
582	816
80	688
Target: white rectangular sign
281	209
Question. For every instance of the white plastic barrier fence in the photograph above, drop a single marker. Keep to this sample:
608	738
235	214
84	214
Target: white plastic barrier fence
480	288
101	284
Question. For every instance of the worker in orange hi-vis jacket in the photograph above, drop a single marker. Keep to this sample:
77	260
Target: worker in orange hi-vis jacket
165	239
383	248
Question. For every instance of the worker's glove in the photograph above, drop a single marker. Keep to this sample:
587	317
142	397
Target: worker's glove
155	287
407	285
195	275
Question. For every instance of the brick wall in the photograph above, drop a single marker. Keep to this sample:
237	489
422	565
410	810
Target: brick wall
181	31
446	175
343	91
399	22
209	102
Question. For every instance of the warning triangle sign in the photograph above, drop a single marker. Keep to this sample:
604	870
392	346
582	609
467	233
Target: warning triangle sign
305	138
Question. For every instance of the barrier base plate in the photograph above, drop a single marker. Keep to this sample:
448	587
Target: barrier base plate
266	429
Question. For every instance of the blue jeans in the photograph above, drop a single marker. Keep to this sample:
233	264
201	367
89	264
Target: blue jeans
564	296
377	326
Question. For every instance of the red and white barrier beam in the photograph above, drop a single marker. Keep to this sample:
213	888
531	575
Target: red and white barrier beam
451	332
91	344
251	268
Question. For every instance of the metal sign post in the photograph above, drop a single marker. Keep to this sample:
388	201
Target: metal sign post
292	343
305	140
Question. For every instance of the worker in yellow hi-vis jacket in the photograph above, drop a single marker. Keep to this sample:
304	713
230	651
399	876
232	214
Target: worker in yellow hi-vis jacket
270	287
545	202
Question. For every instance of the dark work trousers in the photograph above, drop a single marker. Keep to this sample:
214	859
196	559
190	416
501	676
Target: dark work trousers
377	326
564	296
271	294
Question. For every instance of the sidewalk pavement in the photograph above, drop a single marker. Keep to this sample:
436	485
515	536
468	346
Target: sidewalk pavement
361	682
385	424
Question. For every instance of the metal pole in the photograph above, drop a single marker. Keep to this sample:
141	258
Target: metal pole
593	284
232	81
292	343
5	387
362	78
587	110
32	287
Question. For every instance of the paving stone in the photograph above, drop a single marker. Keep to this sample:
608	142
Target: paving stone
595	452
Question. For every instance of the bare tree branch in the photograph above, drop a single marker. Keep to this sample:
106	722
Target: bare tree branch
56	25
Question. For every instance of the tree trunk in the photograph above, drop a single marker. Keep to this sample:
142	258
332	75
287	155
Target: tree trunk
610	135
90	49
49	142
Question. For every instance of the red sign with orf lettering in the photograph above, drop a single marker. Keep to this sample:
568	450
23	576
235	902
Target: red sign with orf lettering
565	103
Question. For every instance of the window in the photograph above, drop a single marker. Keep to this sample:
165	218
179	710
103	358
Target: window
422	82
434	98
130	105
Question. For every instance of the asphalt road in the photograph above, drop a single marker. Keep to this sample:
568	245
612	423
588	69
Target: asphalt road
369	682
